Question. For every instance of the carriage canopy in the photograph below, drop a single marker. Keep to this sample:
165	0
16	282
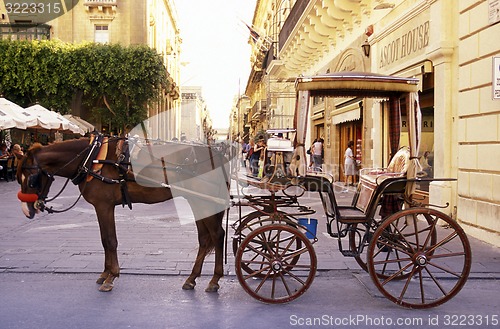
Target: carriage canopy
361	84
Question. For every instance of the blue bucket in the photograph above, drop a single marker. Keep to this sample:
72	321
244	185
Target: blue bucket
311	225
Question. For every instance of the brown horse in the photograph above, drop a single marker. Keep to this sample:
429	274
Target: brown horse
112	183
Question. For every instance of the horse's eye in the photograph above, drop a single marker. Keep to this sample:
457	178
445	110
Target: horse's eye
34	180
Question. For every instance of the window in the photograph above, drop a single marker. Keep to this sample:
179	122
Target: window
101	34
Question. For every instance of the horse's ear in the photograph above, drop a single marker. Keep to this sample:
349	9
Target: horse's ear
35	147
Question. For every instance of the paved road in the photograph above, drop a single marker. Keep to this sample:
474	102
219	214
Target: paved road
53	301
48	267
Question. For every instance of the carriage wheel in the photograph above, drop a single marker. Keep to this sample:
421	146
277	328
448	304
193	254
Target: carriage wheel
250	222
357	236
424	255
276	263
255	220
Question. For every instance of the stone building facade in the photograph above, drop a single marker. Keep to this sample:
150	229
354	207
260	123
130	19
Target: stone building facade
148	22
195	119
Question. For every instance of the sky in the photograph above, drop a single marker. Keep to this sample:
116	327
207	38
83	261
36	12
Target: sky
215	51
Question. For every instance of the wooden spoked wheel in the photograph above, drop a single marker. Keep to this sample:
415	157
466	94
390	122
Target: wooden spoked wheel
419	258
357	236
275	263
255	220
252	221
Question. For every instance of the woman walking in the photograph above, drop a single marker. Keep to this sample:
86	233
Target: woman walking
349	164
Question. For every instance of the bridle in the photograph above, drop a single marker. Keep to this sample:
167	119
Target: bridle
35	181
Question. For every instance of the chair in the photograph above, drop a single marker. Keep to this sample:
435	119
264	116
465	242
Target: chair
9	171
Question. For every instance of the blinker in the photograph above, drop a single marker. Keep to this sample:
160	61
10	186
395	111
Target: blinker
34	181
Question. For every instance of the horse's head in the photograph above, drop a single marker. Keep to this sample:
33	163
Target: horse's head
35	182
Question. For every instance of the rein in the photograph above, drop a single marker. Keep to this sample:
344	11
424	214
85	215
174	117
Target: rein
85	170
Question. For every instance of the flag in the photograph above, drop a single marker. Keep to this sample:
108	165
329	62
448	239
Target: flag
253	34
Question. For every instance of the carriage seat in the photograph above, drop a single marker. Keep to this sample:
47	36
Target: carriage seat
396	168
277	144
371	178
323	184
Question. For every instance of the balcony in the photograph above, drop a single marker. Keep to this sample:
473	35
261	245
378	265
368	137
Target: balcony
100	2
291	21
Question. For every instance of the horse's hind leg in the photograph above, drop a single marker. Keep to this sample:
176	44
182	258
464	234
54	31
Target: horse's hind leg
203	249
217	237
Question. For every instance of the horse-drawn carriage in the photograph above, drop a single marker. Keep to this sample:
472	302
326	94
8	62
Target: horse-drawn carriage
417	256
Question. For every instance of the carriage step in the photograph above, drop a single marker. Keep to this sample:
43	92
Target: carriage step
349	253
342	234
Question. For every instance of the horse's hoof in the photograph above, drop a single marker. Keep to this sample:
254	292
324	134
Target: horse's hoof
106	287
188	286
212	288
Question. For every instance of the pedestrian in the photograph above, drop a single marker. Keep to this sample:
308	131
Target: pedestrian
259	148
349	164
262	159
317	155
251	146
244	153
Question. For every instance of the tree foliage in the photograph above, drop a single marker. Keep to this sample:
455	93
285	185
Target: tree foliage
117	82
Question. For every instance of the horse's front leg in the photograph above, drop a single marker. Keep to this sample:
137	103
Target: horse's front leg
106	218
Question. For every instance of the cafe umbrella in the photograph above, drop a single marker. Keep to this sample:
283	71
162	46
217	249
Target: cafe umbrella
51	120
14	116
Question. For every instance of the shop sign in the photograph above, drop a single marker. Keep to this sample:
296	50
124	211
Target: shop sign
427	123
408	41
493	11
496	77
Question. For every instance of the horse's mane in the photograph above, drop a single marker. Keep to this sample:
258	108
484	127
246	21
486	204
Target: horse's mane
37	147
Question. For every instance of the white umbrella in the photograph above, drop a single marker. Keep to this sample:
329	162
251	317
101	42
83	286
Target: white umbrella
14	116
85	126
52	120
44	118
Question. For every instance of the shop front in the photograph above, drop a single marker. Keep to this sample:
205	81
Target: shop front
403	49
345	117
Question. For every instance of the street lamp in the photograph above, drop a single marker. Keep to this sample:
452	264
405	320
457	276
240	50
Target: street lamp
366	48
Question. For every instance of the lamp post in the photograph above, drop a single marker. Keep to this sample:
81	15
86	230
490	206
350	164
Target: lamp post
239	121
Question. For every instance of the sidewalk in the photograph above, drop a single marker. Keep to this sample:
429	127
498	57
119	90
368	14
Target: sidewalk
152	239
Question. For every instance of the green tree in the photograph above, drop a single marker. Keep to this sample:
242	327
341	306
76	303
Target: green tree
117	82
